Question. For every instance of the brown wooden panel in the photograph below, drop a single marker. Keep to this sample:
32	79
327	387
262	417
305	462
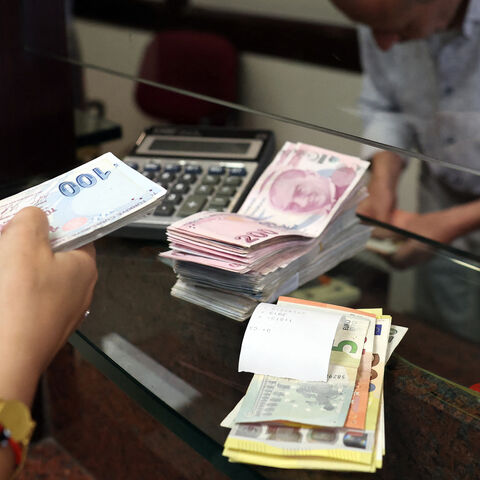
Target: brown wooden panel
322	44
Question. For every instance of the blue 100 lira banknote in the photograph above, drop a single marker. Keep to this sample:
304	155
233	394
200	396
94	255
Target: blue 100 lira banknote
87	202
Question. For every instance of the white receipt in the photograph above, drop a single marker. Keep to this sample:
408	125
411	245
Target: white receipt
285	341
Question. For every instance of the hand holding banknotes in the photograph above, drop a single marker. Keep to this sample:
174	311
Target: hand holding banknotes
437	226
43	297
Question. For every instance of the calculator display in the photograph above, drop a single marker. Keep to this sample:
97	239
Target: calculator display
196	146
204	147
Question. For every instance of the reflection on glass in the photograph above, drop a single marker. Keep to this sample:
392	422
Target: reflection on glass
433	286
421	267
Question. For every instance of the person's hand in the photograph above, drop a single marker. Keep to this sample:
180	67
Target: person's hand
430	225
381	201
382	189
43	297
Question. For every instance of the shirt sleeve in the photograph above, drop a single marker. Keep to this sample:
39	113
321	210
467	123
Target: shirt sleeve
384	122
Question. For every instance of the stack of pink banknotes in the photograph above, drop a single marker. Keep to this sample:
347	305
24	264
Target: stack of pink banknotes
297	222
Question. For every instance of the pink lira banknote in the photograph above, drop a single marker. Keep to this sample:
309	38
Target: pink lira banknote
233	229
304	188
234	242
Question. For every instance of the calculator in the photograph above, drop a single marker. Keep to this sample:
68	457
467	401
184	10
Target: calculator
202	168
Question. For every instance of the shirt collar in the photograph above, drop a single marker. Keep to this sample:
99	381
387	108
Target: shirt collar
472	16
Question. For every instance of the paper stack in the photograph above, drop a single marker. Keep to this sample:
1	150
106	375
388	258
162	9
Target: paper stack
297	222
291	421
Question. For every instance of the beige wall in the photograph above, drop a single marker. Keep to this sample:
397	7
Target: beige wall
311	10
304	92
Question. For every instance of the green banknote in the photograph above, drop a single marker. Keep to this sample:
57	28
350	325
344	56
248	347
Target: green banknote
277	399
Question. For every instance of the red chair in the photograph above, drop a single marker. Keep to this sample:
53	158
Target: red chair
198	62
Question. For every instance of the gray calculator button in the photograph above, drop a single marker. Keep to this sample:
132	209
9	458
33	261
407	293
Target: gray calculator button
204	189
173	198
151	167
172	167
166	177
181	187
219	202
233	181
238	171
226	191
164	210
195	169
192	204
216	170
188	178
210	180
150	175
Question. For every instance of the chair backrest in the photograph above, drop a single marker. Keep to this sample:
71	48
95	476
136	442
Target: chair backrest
196	61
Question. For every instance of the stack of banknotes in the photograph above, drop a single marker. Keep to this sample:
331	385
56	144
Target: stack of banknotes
297	222
332	425
87	202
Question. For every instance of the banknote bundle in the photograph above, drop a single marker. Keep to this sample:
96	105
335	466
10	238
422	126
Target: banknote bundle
297	222
87	202
332	425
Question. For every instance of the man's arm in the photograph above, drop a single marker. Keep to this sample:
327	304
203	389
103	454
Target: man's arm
383	122
385	173
443	226
383	118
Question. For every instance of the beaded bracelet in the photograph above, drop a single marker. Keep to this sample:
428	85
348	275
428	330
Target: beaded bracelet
6	439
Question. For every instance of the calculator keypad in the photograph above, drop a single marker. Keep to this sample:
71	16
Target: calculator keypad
193	186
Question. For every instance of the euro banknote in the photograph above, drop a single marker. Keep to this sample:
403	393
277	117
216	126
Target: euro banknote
380	344
312	448
87	202
309	462
289	442
358	406
274	399
339	444
397	332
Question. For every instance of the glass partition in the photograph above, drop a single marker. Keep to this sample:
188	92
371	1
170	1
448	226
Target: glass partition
412	274
166	72
422	269
201	47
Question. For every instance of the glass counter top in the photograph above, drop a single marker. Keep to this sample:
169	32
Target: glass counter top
180	361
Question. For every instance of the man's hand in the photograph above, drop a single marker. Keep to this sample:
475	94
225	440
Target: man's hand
412	252
432	225
435	226
380	203
382	189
